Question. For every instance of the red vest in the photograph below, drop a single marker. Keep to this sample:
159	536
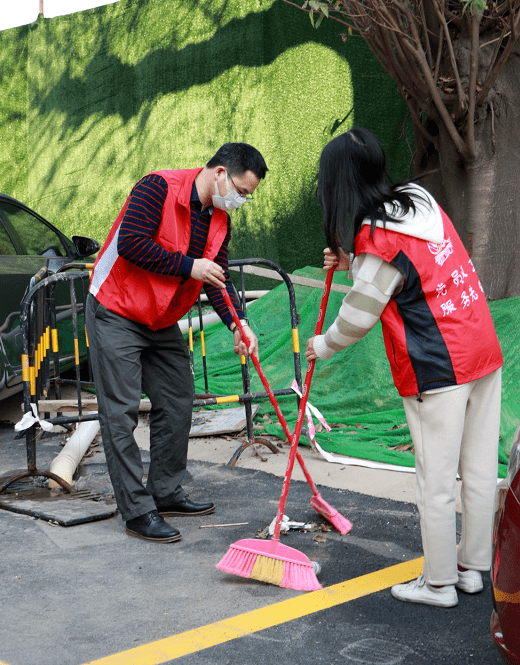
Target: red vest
150	298
438	330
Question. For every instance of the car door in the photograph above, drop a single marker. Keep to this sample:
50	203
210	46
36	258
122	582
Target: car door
27	243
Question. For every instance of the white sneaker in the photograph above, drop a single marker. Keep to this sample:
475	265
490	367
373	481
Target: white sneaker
418	591
470	581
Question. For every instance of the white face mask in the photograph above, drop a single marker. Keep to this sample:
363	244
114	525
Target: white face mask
231	201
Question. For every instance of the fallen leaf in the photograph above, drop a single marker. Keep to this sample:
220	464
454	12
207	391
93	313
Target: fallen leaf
319	539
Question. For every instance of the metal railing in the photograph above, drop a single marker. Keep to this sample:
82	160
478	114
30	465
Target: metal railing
43	362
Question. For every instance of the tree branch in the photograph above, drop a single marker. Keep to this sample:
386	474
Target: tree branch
439	53
472	90
439	104
403	36
426	38
412	73
414	112
491	79
460	92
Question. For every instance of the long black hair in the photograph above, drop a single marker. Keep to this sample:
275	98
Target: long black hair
353	184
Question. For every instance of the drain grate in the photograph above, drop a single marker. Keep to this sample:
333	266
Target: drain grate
27	498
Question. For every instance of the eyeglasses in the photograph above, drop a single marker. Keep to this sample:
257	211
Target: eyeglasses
247	196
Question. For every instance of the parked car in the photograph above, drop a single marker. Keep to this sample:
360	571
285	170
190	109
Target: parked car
505	571
28	243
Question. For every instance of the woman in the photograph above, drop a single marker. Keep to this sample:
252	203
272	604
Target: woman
410	270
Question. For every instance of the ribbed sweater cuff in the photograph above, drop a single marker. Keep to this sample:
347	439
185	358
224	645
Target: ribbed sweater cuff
321	349
185	266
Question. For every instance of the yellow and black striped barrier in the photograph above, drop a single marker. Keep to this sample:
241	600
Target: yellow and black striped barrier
49	308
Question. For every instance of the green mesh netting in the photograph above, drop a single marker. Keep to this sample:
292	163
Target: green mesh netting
354	389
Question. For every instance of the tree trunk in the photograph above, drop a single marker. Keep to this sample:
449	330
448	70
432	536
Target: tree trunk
483	198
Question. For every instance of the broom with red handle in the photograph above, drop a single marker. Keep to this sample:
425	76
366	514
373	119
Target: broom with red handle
270	561
342	524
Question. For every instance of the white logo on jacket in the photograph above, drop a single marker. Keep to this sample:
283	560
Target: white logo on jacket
441	250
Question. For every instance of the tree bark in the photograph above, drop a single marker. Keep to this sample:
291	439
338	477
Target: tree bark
458	68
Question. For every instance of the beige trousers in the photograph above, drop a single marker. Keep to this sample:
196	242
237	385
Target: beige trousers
452	431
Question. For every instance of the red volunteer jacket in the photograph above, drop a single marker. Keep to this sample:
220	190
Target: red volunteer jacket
438	330
154	299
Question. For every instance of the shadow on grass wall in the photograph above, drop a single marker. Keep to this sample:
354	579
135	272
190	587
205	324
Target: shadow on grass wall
13	111
116	92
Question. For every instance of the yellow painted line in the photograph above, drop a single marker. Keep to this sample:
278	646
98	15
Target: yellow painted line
224	631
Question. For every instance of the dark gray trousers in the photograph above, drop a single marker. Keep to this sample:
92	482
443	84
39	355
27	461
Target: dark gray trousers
129	359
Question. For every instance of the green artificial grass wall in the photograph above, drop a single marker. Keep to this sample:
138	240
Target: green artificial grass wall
13	112
110	94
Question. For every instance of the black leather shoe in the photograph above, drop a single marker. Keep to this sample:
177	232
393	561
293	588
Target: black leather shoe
186	507
152	527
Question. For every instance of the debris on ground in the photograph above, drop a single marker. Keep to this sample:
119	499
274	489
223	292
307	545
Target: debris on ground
286	524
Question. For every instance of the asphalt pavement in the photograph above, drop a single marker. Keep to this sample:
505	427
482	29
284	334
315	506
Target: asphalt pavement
85	593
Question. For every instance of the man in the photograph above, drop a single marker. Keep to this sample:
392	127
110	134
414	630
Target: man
169	239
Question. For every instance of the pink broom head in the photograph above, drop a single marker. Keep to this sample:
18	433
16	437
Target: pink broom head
269	561
342	524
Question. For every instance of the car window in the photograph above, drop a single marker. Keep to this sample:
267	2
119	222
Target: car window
6	244
32	235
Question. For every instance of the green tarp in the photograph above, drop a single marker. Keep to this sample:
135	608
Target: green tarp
354	389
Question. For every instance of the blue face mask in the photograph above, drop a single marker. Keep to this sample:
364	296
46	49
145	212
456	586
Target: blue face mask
231	201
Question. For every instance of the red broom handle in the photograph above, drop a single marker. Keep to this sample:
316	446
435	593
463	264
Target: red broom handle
303	403
301	410
256	363
310	370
